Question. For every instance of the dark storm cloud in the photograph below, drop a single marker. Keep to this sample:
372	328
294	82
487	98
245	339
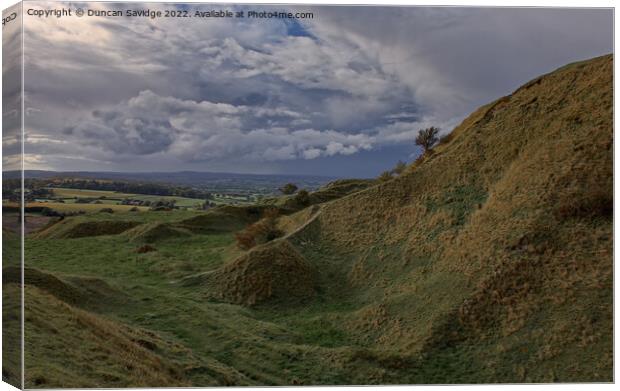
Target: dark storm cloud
236	94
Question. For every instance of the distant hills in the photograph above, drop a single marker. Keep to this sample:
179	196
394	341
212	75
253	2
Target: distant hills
213	181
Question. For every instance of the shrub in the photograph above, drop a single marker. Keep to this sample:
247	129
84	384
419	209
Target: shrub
263	231
134	209
160	209
302	198
83	200
427	138
45	211
106	210
289	188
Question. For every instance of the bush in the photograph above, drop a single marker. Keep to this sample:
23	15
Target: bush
263	231
134	209
106	210
84	200
427	138
302	198
160	209
45	211
289	188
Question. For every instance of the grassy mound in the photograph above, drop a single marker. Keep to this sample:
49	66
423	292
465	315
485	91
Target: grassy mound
69	347
83	292
79	228
332	191
223	219
153	232
274	271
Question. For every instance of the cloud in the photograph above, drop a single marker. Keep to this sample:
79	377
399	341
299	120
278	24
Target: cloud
242	94
201	131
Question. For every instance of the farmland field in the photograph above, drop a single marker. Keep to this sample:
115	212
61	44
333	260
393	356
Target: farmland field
111	197
62	192
89	208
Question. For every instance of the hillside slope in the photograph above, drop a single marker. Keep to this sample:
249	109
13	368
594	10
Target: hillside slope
489	260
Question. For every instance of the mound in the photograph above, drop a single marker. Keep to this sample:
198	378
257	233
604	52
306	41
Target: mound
223	219
85	343
485	250
334	190
83	292
70	347
274	271
75	228
153	232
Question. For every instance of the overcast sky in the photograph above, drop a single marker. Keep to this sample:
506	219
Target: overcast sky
342	94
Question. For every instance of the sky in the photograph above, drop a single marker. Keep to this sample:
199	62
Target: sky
341	94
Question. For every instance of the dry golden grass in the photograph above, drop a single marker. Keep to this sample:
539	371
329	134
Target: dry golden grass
69	347
505	228
274	270
72	228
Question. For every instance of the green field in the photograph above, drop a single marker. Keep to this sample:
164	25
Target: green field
69	195
88	208
62	192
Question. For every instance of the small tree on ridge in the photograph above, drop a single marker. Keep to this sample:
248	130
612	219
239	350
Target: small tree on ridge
427	138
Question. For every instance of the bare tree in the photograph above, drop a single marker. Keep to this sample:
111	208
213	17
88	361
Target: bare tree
427	138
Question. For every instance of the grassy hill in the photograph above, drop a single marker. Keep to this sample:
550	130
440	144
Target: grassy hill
488	260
